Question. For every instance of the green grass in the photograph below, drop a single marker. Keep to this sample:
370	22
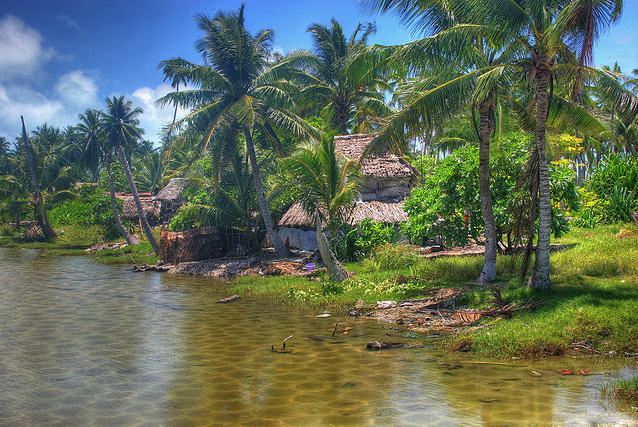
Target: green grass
593	302
623	394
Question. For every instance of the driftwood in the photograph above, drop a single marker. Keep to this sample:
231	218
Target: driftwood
376	345
228	299
150	267
283	347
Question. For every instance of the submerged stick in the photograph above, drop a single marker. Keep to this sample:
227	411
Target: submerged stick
335	329
284	346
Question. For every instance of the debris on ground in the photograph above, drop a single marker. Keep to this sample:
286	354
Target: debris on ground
150	267
228	299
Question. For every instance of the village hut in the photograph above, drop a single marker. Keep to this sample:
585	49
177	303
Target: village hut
158	209
387	179
170	198
152	208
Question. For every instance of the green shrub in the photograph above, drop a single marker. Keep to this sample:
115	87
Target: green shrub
80	237
392	257
92	208
355	243
615	186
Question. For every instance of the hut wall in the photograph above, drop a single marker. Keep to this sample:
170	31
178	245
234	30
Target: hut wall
201	243
306	240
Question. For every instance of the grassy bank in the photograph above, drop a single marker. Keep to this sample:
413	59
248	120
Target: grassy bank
593	305
623	394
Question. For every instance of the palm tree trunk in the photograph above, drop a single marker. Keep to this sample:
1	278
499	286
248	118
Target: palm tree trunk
40	209
116	215
488	273
276	241
334	267
136	198
540	274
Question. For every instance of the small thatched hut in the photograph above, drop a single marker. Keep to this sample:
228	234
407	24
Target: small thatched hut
387	180
170	197
158	209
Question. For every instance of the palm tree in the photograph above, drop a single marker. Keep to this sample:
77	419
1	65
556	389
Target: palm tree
40	208
238	87
171	69
558	36
88	135
328	185
346	88
548	33
450	74
120	127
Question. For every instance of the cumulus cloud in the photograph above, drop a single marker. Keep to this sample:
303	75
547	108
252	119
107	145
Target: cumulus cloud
22	53
74	92
23	57
154	118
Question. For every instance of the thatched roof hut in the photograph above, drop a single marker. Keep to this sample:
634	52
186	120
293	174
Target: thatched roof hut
384	212
152	208
172	193
160	208
387	180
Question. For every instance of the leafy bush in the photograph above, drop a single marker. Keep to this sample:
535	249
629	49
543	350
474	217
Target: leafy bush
447	203
90	209
81	237
355	243
615	185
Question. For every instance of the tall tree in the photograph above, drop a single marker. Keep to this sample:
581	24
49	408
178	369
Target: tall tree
344	86
87	134
40	208
238	86
553	36
120	125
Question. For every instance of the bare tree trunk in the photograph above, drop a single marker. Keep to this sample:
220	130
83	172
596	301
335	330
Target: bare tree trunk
116	215
136	198
276	241
488	273
540	274
40	209
334	267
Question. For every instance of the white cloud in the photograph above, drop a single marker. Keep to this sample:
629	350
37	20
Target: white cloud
74	92
66	20
154	118
75	89
22	53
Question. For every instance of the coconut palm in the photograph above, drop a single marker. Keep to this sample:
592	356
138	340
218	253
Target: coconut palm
554	36
87	134
348	90
328	186
238	86
119	124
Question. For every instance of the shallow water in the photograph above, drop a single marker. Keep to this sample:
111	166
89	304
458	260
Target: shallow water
87	344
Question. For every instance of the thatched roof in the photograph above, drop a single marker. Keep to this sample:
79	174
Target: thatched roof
173	191
382	165
152	208
384	212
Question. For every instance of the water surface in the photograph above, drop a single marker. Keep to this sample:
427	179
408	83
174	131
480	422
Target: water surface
88	344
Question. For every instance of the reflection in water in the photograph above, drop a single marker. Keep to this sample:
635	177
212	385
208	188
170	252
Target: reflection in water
89	344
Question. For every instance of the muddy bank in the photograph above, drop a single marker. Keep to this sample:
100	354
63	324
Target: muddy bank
264	263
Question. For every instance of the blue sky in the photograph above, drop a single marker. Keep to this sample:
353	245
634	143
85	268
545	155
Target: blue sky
58	58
